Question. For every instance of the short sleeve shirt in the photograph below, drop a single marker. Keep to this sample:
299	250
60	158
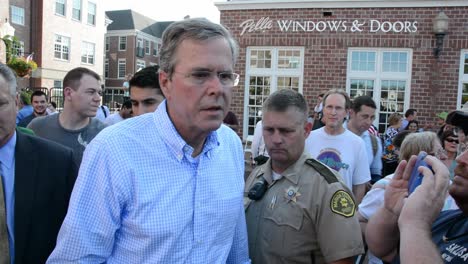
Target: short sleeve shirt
304	217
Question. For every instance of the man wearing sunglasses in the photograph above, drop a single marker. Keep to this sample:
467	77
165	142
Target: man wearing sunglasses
166	187
414	223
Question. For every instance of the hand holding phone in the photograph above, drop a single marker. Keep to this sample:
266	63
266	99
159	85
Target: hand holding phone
416	177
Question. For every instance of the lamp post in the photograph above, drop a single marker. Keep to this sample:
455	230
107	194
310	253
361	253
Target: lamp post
440	29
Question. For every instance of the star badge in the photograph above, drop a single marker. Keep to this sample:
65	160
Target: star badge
291	194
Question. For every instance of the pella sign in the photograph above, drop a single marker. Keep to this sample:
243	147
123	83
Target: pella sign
372	25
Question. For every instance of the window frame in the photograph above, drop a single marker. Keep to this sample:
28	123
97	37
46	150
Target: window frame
106	68
378	76
119	63
107	43
147	44
90	3
88	51
62	46
18	50
14	14
140	63
64	7
80	10
273	73
463	79
121	43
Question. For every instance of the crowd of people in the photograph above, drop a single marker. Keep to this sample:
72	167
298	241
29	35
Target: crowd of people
162	179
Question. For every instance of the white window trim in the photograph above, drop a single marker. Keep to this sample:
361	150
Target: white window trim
81	11
86	48
19	9
69	48
140	62
107	43
272	72
118	68
126	41
463	77
20	48
106	69
377	78
64	9
88	13
147	45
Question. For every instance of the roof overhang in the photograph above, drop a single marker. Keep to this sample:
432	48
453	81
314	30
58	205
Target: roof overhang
294	4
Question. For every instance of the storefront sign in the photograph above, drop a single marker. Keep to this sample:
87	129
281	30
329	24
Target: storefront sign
372	25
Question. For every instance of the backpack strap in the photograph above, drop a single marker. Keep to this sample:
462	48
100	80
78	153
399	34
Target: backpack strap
374	144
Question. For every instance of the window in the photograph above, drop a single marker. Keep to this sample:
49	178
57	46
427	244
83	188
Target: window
384	75
122	43
106	69
122	68
60	7
270	69
463	83
76	11
139	48
57	83
18	48
147	47
155	49
87	52
107	44
140	65
62	47
17	15
91	13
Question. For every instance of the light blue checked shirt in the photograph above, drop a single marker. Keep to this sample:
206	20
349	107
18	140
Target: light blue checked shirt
141	198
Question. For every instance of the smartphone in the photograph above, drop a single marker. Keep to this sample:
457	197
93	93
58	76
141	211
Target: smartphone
416	177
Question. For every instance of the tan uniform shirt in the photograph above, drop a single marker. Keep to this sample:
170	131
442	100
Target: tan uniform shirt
307	216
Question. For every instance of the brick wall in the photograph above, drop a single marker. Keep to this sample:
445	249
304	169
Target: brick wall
434	83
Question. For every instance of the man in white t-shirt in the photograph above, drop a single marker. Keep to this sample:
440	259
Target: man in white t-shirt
124	113
339	148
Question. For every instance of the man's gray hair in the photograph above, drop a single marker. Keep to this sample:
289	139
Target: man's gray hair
281	100
198	29
9	77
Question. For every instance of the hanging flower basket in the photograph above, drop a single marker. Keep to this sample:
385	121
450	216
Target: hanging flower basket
22	66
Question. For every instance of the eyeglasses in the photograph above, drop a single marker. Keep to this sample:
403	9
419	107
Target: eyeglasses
227	79
451	140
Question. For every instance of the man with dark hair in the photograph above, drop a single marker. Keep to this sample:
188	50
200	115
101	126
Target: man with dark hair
339	148
24	105
145	91
124	113
39	104
361	116
74	127
36	180
410	115
166	187
304	214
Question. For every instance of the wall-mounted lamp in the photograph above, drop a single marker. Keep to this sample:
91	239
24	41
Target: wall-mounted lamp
440	30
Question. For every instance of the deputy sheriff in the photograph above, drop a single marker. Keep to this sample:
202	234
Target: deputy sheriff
297	209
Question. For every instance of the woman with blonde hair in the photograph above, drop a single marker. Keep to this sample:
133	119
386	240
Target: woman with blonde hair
411	145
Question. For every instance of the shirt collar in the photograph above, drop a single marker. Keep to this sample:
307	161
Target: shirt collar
7	152
173	139
291	173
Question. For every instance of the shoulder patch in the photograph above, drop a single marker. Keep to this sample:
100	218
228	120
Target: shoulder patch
323	170
343	204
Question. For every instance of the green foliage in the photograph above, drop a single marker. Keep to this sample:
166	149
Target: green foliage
10	42
21	66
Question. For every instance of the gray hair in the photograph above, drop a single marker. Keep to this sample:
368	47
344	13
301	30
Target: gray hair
9	77
281	100
417	142
348	103
198	29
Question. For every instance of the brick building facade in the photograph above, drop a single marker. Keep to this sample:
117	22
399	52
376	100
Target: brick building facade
384	49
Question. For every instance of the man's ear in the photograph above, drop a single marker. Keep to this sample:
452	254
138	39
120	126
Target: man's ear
67	93
165	83
307	128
